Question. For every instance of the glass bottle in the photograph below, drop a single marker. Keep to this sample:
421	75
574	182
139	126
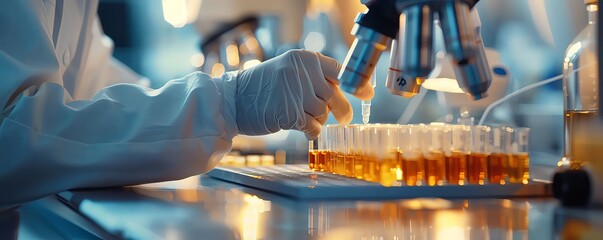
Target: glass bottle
583	132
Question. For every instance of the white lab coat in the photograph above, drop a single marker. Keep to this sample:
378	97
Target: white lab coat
66	124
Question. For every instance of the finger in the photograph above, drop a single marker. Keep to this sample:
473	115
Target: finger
312	128
323	119
365	92
315	106
330	68
340	107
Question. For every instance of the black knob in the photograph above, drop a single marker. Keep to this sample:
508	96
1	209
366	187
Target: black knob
572	188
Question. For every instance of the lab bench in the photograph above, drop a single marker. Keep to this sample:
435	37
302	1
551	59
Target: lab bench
202	207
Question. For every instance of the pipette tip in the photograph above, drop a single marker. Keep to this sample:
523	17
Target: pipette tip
365	119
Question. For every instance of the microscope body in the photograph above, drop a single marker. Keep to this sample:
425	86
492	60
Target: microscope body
408	26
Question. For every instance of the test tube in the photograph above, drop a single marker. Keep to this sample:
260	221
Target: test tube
412	157
433	154
330	143
519	159
497	161
386	144
322	150
370	167
359	143
399	168
350	150
312	154
457	146
477	169
340	142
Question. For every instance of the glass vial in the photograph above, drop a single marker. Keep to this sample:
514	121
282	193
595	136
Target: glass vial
583	132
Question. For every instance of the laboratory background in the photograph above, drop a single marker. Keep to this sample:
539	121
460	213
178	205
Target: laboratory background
530	36
526	42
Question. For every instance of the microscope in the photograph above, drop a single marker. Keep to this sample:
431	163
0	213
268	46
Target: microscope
408	27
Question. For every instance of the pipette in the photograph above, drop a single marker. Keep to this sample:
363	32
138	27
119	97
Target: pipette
366	104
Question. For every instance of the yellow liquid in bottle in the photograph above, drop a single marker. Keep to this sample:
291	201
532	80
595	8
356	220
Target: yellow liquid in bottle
584	137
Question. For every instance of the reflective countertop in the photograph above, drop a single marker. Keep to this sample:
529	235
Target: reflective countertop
206	208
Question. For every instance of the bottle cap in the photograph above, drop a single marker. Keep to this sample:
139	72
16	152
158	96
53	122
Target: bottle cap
587	2
572	188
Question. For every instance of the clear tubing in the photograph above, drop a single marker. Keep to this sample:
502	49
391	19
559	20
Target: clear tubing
521	90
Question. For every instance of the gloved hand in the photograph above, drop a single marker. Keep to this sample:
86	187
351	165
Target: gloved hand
295	90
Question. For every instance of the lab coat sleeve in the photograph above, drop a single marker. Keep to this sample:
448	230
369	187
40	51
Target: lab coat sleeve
124	135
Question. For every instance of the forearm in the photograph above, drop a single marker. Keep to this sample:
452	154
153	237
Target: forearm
124	135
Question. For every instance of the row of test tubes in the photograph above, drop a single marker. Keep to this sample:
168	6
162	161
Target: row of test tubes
419	154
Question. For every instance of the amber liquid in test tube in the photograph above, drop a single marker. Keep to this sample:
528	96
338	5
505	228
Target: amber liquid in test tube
340	142
349	164
497	161
435	168
325	157
329	148
456	167
435	160
367	164
413	165
399	167
519	158
413	168
388	142
457	141
519	168
322	150
350	150
371	166
497	170
360	147
477	168
477	163
312	155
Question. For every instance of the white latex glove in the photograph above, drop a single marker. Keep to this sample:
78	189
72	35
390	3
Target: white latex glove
295	90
